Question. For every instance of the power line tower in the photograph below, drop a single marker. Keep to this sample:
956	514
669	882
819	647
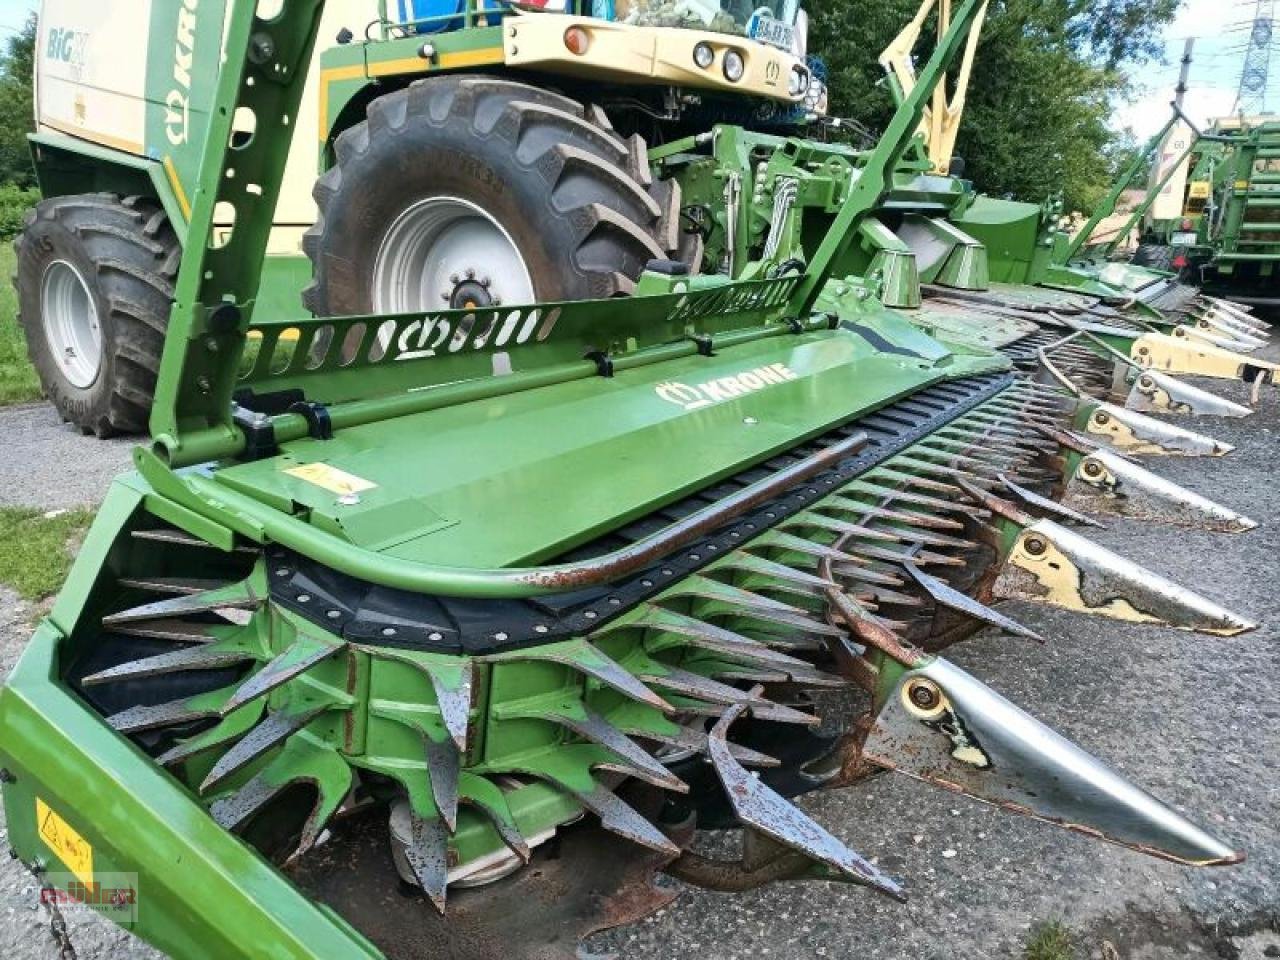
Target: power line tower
1251	97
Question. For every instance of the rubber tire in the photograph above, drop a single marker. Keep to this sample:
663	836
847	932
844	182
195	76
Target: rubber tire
128	254
579	201
1154	256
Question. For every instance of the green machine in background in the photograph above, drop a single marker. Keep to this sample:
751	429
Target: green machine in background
441	632
1227	238
1003	274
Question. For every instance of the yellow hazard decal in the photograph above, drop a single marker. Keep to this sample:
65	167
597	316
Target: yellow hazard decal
60	837
330	478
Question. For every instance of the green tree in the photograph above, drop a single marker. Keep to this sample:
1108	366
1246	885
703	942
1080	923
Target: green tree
1047	76
17	68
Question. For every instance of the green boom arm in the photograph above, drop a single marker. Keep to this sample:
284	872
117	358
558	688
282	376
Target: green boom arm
257	99
1108	204
875	178
1150	198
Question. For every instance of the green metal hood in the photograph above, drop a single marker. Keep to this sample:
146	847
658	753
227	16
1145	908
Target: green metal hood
523	477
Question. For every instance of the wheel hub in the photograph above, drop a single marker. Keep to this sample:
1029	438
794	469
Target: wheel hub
69	317
448	252
470	293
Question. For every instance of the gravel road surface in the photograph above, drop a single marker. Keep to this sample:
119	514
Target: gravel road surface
1194	719
46	463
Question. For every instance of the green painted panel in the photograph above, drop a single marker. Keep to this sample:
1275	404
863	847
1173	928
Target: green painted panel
183	55
202	893
523	477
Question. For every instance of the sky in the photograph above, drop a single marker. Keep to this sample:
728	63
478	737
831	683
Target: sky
1219	26
13	13
1220	29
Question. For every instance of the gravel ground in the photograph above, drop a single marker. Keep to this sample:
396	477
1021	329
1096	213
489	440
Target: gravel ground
1192	718
50	465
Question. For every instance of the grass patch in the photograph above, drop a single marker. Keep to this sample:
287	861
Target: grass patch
35	549
18	381
1050	941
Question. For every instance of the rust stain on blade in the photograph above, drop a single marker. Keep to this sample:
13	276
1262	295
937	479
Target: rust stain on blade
760	807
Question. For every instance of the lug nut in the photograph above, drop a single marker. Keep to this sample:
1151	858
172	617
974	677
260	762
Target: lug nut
1035	545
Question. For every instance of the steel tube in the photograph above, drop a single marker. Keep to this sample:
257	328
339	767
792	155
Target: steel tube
219	444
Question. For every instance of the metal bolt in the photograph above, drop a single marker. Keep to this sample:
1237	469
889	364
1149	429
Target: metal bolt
6	776
333	614
925	694
1146	383
454	278
1092	468
471	274
1143	351
388	631
304	598
261	48
435	637
1101	419
485	281
1035	545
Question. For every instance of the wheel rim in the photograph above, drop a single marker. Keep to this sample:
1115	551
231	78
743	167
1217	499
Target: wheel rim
71	325
448	253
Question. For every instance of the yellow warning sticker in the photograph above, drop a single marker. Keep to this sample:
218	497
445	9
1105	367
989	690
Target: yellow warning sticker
330	478
60	837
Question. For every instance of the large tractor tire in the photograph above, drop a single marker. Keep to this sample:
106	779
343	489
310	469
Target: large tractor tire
471	191
1154	256
95	286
